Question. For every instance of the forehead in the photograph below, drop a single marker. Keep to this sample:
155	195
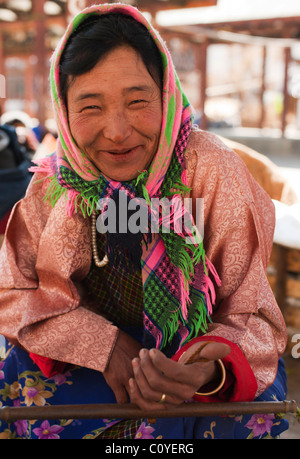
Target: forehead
120	69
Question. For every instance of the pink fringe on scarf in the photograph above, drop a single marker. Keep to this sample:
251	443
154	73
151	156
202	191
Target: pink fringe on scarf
43	165
207	286
184	177
71	201
153	330
184	295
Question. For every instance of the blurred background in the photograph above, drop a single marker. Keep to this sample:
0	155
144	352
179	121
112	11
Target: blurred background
239	64
237	59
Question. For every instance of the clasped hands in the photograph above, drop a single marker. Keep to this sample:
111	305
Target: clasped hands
151	380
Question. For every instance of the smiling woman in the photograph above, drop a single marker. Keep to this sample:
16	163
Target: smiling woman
166	317
117	122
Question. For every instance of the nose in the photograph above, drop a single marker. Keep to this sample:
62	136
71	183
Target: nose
117	127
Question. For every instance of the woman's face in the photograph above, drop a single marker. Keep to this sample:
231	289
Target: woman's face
115	114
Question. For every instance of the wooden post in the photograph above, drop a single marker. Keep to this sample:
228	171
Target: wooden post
280	285
287	58
263	87
41	53
201	62
130	411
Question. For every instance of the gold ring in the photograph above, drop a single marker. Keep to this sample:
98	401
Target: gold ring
163	398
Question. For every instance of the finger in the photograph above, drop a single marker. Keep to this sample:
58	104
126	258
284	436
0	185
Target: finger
147	405
148	392
137	398
153	383
188	377
156	377
121	394
207	351
172	370
180	382
134	392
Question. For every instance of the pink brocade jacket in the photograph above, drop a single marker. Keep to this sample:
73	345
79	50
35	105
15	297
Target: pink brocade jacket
46	255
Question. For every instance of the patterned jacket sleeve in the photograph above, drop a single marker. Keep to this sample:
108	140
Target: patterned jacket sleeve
42	261
239	222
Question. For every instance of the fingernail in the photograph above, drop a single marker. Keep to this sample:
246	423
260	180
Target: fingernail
143	353
135	362
152	353
131	384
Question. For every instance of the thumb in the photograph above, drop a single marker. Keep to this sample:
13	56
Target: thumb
121	394
214	351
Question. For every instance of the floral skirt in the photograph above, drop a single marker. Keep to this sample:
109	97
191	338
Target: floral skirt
23	384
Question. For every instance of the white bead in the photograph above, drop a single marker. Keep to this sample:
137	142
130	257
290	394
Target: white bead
99	263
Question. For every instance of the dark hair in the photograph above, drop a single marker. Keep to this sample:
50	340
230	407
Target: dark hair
97	36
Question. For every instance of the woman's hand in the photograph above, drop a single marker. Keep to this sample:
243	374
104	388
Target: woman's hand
155	374
119	369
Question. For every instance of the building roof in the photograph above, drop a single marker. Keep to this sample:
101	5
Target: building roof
15	10
231	11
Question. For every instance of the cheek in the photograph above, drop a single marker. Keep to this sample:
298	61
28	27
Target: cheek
82	130
149	123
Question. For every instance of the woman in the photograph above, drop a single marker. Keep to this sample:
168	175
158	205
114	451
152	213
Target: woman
142	326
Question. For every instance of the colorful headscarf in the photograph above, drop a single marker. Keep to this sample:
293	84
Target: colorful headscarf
178	292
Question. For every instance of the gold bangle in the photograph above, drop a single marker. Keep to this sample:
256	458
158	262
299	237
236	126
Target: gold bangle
194	359
221	383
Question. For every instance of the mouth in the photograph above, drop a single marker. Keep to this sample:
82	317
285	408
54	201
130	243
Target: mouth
123	151
123	154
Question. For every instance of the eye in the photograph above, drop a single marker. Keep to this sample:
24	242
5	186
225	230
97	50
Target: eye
138	102
91	108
